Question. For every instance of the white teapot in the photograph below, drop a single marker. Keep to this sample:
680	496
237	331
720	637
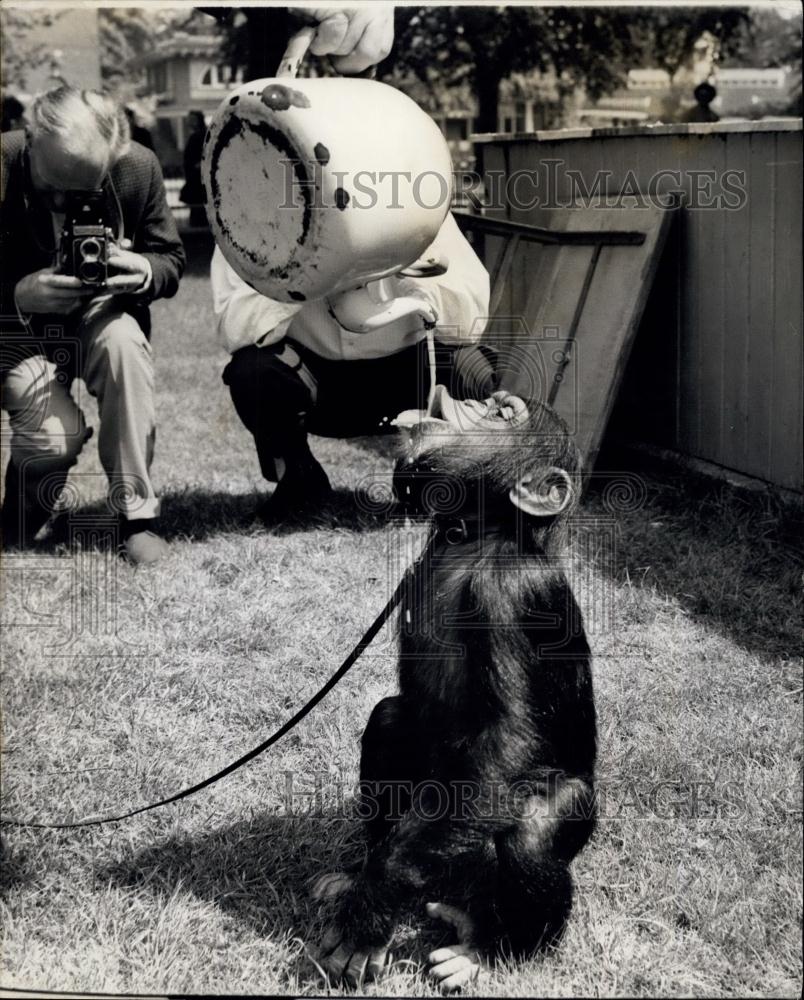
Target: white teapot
320	186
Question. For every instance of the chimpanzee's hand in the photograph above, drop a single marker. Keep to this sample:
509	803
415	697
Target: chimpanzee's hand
459	964
47	292
136	271
341	960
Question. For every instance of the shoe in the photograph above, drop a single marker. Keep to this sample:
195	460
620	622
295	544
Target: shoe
141	544
303	493
23	516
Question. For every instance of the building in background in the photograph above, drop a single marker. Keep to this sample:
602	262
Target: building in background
529	102
184	73
651	95
746	92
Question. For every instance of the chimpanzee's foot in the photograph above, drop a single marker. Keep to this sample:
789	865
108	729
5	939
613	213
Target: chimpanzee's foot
337	956
456	965
331	884
342	961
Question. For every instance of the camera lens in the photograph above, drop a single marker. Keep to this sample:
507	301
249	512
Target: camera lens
90	249
90	271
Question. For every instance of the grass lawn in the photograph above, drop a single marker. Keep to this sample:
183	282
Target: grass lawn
121	685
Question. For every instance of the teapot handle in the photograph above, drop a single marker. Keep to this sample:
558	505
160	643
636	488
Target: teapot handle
296	50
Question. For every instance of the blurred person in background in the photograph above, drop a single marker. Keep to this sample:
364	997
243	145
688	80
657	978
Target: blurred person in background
192	192
138	132
12	113
704	94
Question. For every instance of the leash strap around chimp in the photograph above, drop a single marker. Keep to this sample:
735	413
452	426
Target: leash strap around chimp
322	692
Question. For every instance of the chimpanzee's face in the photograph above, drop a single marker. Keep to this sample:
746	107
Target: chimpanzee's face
451	421
501	411
486	451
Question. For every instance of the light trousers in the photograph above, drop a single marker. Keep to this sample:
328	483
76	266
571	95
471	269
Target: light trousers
48	427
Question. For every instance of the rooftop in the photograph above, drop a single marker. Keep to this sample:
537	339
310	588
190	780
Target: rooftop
183	45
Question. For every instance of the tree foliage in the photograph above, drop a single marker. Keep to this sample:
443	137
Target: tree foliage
592	47
769	39
440	48
126	33
22	48
253	38
129	33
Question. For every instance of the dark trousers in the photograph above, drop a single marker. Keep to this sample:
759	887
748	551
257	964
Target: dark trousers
284	391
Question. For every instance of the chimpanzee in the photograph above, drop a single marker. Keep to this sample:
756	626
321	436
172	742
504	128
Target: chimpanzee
477	778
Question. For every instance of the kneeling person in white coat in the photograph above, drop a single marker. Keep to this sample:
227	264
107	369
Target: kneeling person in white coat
296	370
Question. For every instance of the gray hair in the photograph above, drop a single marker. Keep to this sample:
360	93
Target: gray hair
80	118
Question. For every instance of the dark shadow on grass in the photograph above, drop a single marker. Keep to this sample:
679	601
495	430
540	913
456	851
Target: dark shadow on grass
196	515
728	557
731	558
261	872
384	445
16	868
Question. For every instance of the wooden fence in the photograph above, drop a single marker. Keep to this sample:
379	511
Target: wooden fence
716	371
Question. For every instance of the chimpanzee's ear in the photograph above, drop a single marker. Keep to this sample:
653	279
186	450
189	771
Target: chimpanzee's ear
545	494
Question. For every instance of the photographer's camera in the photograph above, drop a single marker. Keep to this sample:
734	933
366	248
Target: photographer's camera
84	248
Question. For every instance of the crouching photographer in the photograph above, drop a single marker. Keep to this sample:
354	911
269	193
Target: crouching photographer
88	242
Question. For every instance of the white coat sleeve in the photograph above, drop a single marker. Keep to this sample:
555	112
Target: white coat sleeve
243	316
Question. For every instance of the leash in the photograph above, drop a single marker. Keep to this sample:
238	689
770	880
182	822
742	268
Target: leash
322	692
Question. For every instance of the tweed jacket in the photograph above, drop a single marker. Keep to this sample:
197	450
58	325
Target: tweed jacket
135	197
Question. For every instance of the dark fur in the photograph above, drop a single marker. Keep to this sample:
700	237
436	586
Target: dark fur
495	707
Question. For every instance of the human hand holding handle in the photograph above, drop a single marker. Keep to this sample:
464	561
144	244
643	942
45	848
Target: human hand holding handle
355	38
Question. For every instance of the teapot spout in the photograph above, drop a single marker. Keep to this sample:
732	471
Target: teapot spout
373	305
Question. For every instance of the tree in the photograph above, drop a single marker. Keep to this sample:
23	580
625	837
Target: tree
125	33
593	47
129	33
254	38
22	49
441	48
769	39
